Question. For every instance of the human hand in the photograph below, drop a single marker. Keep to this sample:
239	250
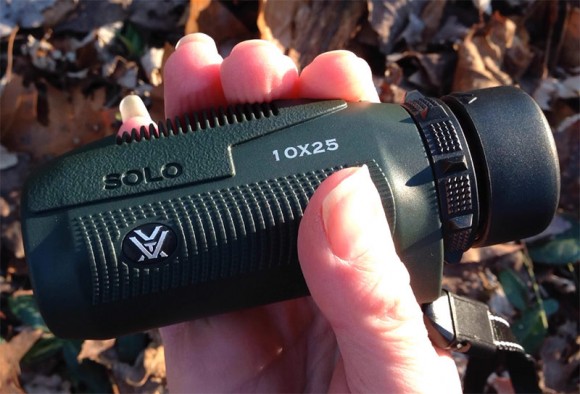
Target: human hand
362	330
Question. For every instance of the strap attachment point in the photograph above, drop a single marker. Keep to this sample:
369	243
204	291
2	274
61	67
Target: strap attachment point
460	324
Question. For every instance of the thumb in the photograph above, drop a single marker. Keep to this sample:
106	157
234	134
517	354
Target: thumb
360	285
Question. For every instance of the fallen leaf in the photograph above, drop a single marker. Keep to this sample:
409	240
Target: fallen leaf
195	8
10	354
5	208
218	21
86	376
154	361
148	368
563	285
478	255
429	72
481	56
432	16
570	46
92	349
73	119
303	29
567	140
560	361
452	31
12	237
389	18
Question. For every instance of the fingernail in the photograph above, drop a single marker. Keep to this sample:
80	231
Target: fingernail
195	37
132	106
256	43
353	216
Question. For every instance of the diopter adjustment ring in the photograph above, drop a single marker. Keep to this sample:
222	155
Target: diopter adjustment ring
453	170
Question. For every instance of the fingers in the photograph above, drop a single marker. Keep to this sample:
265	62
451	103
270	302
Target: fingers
257	71
338	74
355	277
196	77
192	76
134	114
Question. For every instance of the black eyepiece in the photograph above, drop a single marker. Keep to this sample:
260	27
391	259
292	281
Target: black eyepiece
515	161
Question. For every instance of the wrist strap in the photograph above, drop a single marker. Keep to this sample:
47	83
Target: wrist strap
461	324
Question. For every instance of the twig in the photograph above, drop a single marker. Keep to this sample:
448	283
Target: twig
8	74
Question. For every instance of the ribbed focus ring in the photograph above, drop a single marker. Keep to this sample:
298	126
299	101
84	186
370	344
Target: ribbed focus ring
453	169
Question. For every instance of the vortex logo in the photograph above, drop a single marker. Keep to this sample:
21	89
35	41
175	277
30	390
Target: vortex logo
149	243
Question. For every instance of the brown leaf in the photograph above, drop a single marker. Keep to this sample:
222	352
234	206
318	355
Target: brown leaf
12	237
146	374
195	8
518	56
223	26
12	96
92	349
567	140
481	56
561	359
154	361
10	354
303	29
432	15
388	19
570	45
478	255
73	120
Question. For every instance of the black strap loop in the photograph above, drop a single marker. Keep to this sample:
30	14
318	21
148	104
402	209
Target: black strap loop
461	324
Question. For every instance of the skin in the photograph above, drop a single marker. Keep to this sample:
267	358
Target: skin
362	330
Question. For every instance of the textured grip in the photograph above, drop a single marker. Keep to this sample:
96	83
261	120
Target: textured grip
222	234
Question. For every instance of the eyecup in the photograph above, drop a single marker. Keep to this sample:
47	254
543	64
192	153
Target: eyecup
515	158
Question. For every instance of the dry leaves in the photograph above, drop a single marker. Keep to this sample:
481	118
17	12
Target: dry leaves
303	29
146	375
10	354
481	56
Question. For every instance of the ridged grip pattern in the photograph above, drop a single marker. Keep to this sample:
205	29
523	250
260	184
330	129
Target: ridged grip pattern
222	234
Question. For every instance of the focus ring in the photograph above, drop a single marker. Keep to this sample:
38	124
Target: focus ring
453	171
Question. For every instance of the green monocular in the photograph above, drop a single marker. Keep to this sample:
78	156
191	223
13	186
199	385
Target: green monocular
199	215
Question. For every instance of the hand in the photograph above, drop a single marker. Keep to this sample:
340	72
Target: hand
362	330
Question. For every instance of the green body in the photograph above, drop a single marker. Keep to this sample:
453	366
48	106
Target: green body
233	193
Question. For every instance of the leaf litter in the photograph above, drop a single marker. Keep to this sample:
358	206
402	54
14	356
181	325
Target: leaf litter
66	64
